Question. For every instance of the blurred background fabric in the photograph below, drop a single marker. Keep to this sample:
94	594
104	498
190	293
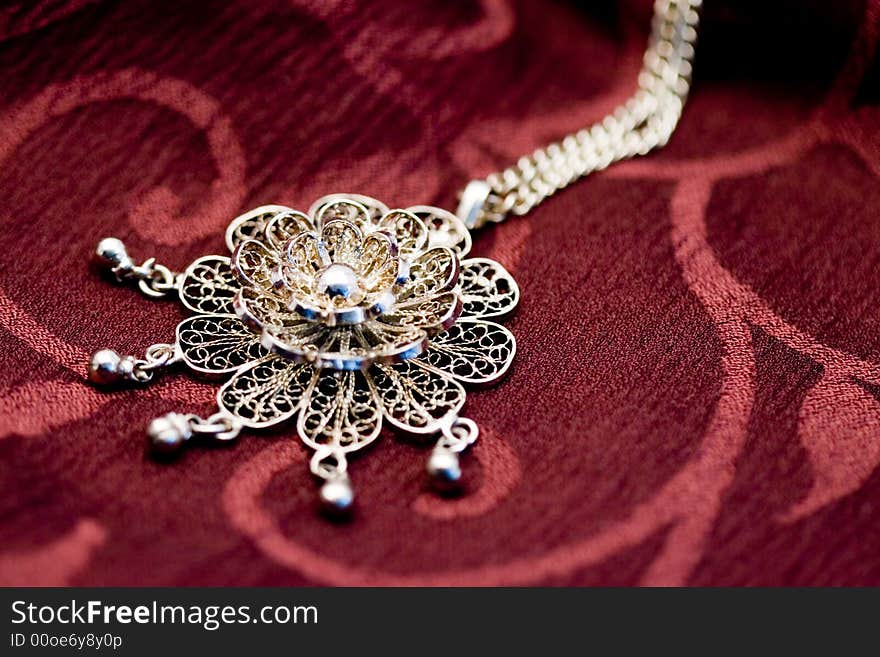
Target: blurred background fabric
696	398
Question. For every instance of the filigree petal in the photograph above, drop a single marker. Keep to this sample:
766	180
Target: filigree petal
473	351
258	310
268	392
433	313
378	265
487	289
215	344
285	226
346	209
305	255
414	398
252	224
256	265
341	413
434	271
408	230
444	229
375	210
298	341
208	285
342	241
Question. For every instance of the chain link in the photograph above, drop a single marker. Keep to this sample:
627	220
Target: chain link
157	356
328	463
641	124
155	280
458	434
220	426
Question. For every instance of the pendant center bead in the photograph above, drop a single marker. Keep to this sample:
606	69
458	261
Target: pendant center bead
340	283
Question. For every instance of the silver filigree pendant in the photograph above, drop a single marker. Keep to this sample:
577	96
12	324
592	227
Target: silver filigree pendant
337	321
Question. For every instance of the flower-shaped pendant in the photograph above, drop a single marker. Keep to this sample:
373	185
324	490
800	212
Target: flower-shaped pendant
338	320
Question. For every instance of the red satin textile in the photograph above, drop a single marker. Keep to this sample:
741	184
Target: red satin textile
696	398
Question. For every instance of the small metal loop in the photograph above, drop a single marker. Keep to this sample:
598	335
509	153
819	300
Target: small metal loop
144	271
157	357
141	372
459	434
220	426
163	278
328	463
160	350
156	280
161	355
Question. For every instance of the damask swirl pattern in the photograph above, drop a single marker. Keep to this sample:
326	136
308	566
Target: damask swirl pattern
839	416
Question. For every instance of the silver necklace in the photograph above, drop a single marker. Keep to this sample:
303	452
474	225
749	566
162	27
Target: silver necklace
353	315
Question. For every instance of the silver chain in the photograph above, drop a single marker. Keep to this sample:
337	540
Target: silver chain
641	124
155	280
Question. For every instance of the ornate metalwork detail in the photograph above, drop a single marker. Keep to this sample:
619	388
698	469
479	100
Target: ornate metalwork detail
487	289
444	229
216	344
473	351
341	413
266	392
341	319
416	399
208	285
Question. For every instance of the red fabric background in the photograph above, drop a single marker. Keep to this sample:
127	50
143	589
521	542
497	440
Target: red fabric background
697	394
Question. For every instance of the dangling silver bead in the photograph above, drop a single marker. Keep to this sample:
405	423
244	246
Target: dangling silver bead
337	495
111	255
125	368
168	434
104	367
444	469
